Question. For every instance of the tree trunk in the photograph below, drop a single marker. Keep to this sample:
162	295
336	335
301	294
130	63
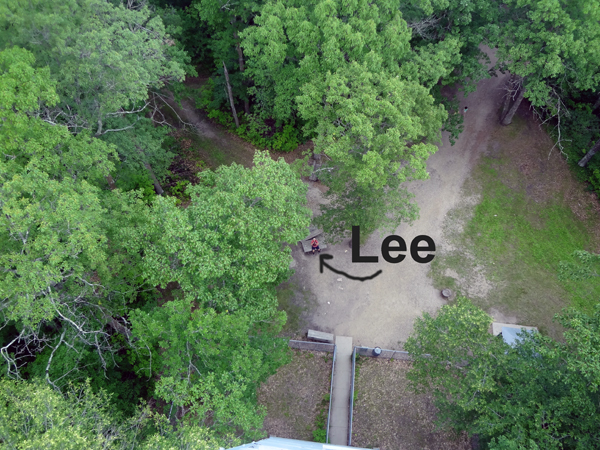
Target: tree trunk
596	104
240	53
589	154
506	103
242	68
235	117
157	187
118	327
111	182
507	120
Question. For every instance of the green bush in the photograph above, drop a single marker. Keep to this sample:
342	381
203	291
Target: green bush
320	432
136	181
251	129
286	140
179	191
320	435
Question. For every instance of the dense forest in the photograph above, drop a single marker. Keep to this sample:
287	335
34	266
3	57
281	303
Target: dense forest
139	311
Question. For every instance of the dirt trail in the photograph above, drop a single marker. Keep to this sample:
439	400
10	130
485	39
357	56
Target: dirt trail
381	312
214	139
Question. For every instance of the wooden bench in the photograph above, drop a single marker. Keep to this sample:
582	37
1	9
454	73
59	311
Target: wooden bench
312	233
307	246
320	336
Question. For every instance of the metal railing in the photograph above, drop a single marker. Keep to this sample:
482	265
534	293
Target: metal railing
352	397
388	354
314	346
330	394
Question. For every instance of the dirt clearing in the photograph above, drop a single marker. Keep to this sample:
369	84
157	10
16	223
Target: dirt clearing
380	312
296	394
390	417
522	213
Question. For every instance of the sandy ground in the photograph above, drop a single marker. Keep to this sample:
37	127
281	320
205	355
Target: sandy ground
388	416
295	394
380	312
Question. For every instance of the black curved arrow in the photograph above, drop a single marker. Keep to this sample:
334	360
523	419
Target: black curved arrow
322	263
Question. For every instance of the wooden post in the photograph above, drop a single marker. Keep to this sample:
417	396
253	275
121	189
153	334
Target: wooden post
235	117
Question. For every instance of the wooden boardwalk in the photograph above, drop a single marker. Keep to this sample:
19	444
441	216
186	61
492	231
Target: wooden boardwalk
340	397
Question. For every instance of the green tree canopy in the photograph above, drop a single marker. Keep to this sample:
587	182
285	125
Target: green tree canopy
108	61
294	42
364	97
540	392
59	249
226	251
552	47
227	248
209	363
33	416
583	266
103	57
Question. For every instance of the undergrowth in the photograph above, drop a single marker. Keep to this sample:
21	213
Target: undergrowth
320	431
252	129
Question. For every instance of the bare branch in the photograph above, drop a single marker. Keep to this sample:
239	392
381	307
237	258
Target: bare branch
9	359
425	28
62	336
555	109
166	102
132	111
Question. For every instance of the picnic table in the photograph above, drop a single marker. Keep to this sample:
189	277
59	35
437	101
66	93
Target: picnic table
312	233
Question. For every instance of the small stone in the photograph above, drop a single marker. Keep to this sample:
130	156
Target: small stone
339	279
329	303
341	288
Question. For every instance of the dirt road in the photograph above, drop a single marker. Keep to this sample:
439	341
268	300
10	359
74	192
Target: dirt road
381	312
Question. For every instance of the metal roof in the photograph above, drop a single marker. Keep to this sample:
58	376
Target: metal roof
275	443
510	335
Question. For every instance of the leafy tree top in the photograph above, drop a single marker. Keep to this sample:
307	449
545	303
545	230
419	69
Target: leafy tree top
228	246
541	392
103	57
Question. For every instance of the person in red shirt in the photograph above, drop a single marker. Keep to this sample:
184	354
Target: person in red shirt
315	245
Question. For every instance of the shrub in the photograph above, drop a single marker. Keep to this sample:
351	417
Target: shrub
179	191
137	181
252	128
